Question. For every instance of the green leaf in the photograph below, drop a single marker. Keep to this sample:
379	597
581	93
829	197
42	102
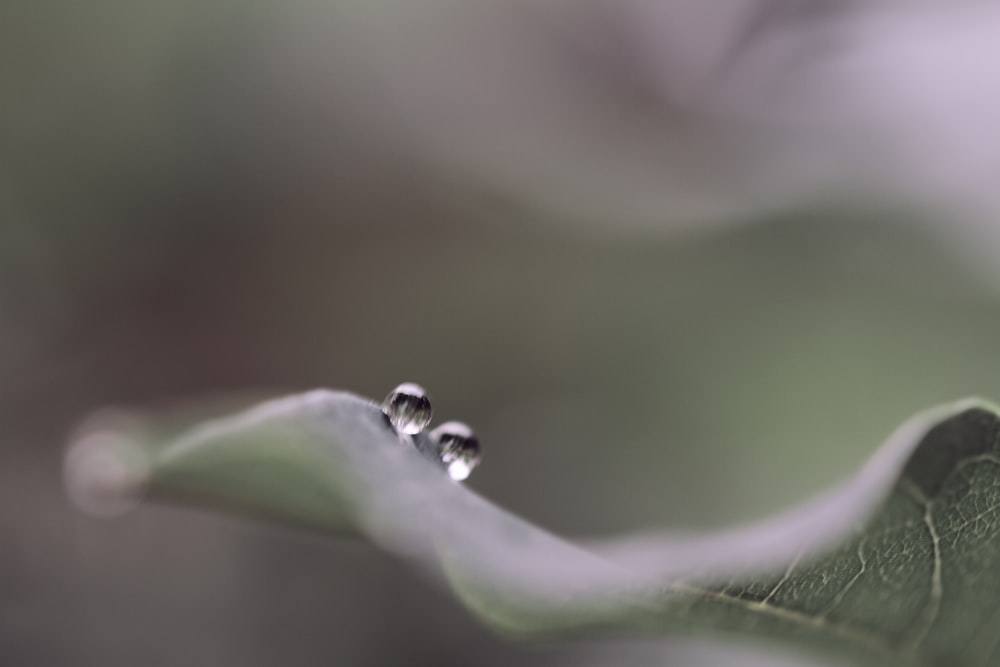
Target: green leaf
899	566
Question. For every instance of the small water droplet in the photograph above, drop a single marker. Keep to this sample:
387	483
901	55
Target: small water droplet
408	408
458	447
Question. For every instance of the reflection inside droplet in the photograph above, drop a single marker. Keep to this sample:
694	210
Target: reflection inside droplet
458	448
459	470
408	408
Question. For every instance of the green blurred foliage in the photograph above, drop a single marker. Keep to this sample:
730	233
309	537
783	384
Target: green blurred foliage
178	215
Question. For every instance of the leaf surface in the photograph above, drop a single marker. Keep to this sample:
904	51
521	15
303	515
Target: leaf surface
899	566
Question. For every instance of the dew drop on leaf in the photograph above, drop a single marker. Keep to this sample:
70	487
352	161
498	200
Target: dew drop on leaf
408	408
458	447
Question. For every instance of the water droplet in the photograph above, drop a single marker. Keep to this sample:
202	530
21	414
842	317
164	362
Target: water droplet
408	408
458	447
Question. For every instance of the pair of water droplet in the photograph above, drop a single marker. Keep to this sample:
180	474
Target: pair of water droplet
408	409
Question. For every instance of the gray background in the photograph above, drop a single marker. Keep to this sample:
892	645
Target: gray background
204	197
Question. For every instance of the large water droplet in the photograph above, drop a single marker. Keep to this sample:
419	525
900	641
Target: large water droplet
408	408
458	447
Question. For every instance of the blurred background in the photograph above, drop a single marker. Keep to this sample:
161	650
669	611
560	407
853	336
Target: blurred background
681	264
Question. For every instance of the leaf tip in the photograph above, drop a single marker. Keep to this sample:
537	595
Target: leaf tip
105	469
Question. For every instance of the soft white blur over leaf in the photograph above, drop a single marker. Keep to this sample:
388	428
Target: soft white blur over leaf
642	115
